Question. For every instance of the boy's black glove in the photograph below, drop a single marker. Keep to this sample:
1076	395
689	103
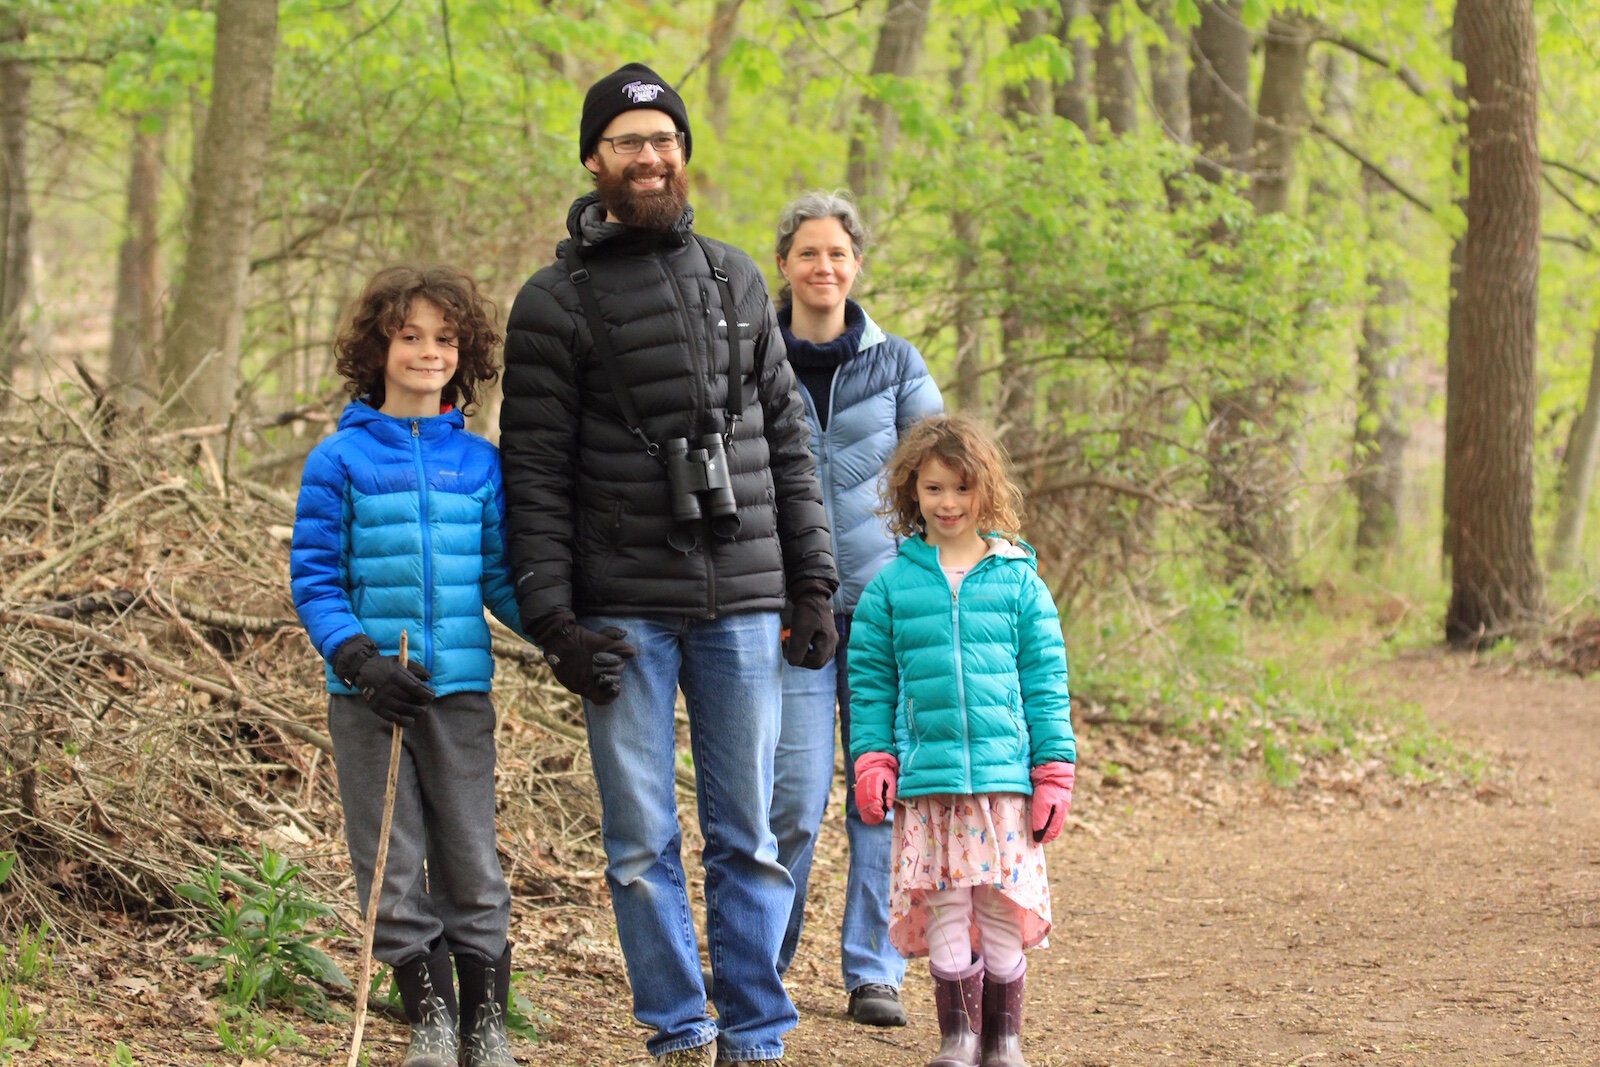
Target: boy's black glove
396	692
586	662
812	638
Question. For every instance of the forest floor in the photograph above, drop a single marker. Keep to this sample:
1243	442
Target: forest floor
1199	919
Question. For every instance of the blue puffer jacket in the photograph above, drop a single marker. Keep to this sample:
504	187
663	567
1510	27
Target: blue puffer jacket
876	395
967	688
401	525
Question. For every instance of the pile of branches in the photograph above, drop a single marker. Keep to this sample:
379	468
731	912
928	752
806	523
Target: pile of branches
160	704
1575	648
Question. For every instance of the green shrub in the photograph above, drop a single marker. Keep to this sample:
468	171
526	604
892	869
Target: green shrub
264	921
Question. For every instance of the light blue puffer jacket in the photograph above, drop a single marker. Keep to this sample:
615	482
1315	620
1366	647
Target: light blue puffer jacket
876	395
400	525
967	688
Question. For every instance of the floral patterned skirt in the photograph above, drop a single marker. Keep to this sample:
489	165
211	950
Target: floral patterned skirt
947	842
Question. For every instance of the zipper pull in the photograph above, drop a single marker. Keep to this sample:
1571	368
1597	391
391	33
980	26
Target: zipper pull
414	429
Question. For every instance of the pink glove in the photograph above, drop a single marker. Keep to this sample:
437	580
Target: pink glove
876	776
1052	798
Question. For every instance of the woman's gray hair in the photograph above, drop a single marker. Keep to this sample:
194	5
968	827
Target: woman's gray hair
820	205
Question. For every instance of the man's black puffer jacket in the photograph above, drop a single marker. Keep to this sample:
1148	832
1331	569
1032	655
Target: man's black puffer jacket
587	509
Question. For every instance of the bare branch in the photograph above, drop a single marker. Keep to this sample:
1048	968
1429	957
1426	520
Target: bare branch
1371	166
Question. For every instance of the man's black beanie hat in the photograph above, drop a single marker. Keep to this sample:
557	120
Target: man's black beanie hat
627	89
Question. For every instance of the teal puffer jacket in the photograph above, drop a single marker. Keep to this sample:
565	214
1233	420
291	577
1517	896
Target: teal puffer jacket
967	688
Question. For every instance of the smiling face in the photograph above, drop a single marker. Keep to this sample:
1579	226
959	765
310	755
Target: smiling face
422	358
949	506
647	189
821	266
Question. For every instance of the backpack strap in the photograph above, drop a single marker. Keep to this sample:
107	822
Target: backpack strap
601	335
730	313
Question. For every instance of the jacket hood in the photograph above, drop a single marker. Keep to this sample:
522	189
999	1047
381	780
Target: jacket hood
392	430
587	224
919	551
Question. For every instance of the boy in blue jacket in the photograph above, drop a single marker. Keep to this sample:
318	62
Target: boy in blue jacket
399	527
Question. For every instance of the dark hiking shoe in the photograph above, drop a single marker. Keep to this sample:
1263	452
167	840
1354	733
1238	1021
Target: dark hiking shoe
699	1056
876	1004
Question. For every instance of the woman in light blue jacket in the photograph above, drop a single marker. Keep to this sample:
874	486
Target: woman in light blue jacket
862	388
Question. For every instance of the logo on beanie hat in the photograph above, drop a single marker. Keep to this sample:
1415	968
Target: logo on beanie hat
642	92
630	86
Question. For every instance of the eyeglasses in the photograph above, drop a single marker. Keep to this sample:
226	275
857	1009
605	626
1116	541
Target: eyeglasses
631	144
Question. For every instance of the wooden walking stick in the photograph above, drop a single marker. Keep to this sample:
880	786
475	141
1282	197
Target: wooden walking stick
376	891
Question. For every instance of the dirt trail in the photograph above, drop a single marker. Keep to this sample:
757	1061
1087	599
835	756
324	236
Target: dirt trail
1270	928
1197	922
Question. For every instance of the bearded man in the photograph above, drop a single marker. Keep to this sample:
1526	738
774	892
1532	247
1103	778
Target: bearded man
662	510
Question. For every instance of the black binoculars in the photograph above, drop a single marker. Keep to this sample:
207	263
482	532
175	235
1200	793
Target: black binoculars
700	485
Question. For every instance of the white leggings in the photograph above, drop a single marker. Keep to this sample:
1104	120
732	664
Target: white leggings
950	916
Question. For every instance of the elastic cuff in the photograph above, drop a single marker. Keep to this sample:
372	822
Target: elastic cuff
976	967
1017	972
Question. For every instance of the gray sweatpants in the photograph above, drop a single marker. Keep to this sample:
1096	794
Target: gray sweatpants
443	873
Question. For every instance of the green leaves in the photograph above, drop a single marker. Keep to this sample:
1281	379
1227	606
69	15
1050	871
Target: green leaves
263	920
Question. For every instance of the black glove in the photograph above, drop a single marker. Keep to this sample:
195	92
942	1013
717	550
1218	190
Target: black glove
584	661
396	693
812	637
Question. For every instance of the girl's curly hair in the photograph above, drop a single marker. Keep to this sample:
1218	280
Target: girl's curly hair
963	445
380	312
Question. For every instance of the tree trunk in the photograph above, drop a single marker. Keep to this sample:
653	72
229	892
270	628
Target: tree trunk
1015	400
872	143
724	24
16	211
1577	472
202	351
968	233
1072	95
1169	73
1116	79
1496	586
1245	477
1219	90
1452	357
135	317
1281	106
1380	437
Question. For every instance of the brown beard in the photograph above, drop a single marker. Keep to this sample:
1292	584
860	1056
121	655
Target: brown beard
659	210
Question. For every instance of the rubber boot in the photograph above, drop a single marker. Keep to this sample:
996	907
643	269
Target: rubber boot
958	999
485	994
428	996
1002	1020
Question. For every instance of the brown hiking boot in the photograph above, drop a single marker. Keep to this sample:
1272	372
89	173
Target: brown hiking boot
699	1056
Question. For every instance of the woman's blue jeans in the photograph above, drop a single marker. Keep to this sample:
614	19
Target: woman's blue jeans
802	780
728	669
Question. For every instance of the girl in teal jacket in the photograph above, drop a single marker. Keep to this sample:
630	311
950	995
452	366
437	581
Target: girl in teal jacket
959	710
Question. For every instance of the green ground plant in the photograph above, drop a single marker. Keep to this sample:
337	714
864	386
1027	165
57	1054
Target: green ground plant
267	926
27	966
246	1033
1275	690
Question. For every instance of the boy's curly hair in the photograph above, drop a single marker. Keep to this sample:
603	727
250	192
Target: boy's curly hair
380	312
963	445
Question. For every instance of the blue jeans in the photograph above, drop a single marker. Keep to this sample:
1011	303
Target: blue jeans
729	671
803	778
